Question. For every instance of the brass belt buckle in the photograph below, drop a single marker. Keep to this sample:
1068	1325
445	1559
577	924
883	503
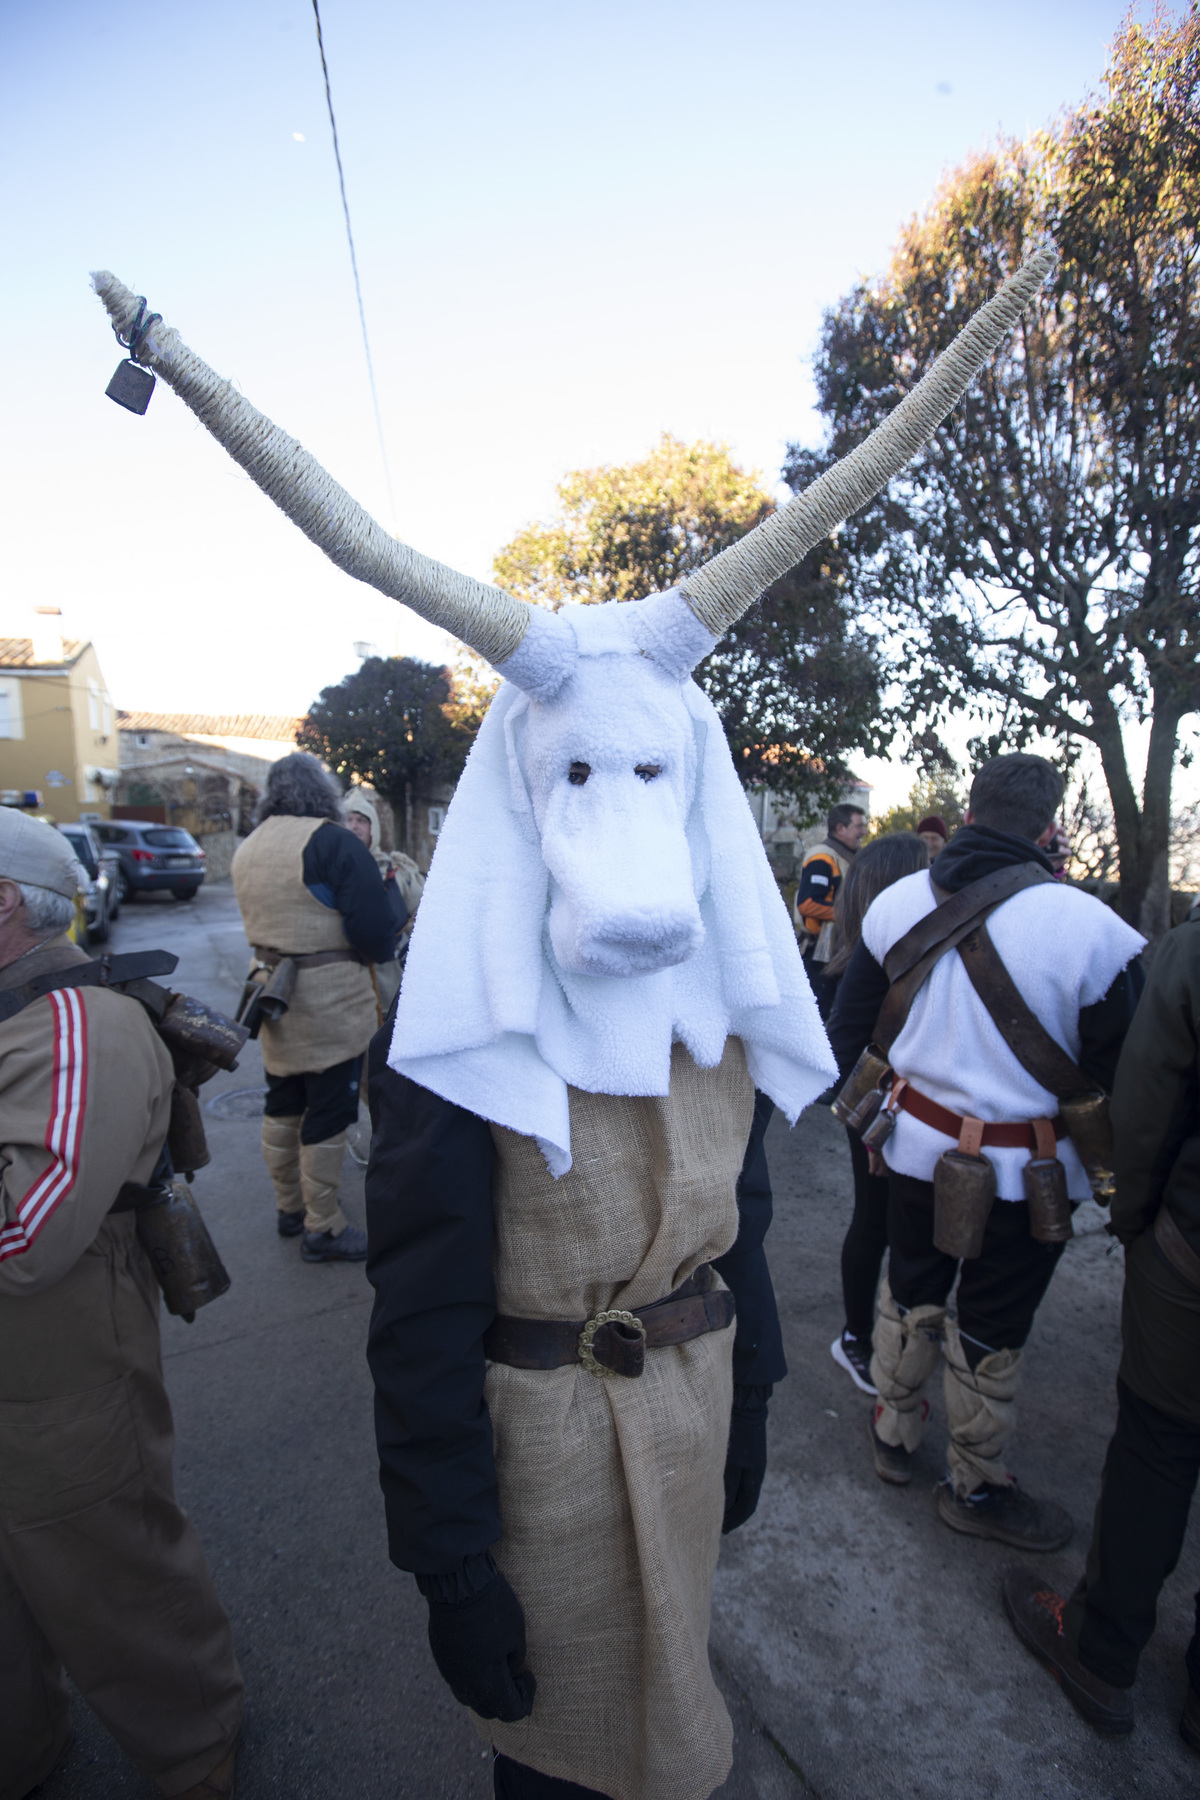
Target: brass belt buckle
586	1336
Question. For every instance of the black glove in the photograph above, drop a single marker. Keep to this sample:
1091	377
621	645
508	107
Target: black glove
479	1646
746	1458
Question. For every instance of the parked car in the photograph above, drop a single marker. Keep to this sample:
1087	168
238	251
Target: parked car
153	856
100	897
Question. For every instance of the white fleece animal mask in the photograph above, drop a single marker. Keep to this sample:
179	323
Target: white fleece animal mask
568	937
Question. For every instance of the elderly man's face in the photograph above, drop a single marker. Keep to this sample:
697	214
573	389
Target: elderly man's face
933	841
360	825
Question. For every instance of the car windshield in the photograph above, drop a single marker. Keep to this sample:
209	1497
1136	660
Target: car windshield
83	850
169	838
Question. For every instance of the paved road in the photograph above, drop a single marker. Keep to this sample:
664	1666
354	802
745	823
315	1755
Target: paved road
860	1643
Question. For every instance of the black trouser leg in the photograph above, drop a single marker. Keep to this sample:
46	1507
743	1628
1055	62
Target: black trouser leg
328	1099
516	1781
865	1242
1000	1290
1145	1494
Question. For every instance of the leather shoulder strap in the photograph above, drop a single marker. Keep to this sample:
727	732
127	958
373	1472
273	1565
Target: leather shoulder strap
911	958
128	974
1019	1026
968	905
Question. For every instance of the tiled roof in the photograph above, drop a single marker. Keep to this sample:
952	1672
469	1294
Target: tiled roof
17	653
227	725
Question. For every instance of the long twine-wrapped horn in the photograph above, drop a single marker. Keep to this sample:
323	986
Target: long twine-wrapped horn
726	587
485	617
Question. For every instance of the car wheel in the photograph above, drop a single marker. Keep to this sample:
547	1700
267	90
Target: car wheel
128	891
184	893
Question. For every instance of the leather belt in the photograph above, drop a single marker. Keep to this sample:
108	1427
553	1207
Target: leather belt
316	959
1175	1247
614	1342
1011	1135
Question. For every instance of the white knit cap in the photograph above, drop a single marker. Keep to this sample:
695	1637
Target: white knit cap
34	852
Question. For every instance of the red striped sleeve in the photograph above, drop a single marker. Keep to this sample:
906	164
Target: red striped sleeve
64	1132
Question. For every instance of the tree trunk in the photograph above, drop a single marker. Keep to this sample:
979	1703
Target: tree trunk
408	819
1143	833
1154	912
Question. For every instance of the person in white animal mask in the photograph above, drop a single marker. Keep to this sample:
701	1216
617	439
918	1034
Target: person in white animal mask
602	974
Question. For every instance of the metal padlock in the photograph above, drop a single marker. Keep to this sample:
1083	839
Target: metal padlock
131	386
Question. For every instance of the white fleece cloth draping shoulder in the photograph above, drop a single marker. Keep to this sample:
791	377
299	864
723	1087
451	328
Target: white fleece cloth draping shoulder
1064	949
489	1020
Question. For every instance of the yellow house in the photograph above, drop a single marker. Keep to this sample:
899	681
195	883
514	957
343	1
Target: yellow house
58	733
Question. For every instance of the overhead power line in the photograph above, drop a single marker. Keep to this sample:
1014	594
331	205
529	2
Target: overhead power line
362	316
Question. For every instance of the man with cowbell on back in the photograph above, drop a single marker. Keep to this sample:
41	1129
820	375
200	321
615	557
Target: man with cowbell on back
311	900
101	1574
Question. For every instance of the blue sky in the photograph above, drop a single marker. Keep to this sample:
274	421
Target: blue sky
578	226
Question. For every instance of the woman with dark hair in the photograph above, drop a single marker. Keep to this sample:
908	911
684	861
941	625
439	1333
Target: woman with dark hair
876	867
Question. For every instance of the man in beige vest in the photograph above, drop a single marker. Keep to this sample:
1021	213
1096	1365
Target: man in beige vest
309	892
100	1571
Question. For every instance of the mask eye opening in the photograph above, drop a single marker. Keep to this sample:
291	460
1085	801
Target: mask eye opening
578	773
648	771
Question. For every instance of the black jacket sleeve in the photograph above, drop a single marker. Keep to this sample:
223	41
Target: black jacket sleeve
1156	1096
341	872
758	1342
1103	1025
429	1225
861	992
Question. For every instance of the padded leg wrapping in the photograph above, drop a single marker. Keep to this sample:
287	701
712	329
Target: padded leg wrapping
907	1346
281	1153
982	1413
320	1173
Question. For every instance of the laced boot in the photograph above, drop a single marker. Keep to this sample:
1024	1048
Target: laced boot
1035	1612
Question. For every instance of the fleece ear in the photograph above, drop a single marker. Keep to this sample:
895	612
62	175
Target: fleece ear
543	660
665	629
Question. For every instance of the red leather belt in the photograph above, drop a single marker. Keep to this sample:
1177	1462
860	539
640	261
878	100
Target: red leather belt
1018	1134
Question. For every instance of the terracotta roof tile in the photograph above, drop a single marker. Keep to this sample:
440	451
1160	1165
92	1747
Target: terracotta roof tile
272	728
17	653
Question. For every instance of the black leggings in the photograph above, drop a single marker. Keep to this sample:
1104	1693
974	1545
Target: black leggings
865	1242
328	1099
516	1781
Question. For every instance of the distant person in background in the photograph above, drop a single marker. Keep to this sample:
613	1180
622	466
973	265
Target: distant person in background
876	866
934	834
821	875
403	883
310	894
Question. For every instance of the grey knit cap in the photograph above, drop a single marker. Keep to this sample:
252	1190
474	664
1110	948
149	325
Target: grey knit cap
34	852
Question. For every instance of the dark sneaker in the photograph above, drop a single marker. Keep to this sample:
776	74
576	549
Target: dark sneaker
1007	1514
289	1224
1189	1724
322	1246
854	1355
1035	1611
892	1461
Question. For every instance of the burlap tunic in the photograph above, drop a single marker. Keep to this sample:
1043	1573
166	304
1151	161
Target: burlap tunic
611	1489
332	1012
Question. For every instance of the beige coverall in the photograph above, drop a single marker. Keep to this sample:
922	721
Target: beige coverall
100	1570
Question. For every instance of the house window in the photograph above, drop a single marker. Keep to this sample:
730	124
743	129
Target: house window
94	705
11	725
437	818
142	740
106	714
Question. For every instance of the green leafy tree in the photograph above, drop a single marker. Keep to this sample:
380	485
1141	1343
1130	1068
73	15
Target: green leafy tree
398	725
937	794
1037	566
795	683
